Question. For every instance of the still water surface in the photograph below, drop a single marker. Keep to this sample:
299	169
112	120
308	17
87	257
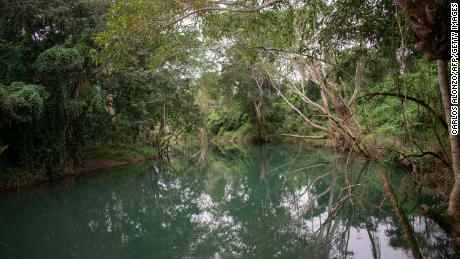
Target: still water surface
276	201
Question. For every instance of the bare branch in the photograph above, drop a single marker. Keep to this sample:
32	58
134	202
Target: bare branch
314	125
305	136
359	75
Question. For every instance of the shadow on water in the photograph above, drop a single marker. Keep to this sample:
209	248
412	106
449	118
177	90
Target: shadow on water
223	201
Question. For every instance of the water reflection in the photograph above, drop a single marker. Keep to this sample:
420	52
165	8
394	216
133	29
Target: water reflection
227	201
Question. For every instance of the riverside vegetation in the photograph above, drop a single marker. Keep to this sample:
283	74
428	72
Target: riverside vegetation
101	82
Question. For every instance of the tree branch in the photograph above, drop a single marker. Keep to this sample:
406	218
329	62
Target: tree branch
217	7
305	137
426	153
314	125
413	99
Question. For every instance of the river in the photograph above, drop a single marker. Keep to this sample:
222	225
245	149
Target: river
243	201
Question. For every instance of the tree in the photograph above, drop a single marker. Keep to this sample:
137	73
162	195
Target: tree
430	24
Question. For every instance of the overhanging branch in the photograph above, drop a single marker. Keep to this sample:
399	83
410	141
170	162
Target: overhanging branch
413	99
228	7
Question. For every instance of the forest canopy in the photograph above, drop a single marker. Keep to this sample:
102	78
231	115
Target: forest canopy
101	79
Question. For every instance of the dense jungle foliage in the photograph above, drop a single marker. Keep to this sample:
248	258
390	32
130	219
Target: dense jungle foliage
72	79
58	107
100	79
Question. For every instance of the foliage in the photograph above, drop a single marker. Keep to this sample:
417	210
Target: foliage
20	102
54	99
146	72
12	65
60	62
225	120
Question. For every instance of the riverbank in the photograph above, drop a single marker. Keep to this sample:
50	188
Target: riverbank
94	157
380	149
91	158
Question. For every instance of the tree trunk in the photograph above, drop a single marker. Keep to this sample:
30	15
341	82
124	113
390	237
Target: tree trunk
263	134
454	199
331	125
202	157
258	105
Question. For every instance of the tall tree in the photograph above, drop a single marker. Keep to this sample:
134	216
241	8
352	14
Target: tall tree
429	20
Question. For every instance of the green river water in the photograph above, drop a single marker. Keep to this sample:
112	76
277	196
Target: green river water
274	201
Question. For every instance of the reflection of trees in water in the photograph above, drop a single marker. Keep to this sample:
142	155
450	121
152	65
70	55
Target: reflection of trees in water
312	213
248	202
360	204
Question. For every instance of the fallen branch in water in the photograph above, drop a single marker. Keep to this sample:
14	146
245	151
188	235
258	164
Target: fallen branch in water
307	167
306	137
403	220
